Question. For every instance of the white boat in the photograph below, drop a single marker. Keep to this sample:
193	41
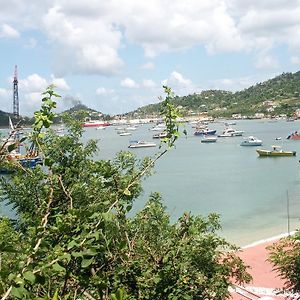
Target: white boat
141	144
160	135
251	141
94	123
159	127
132	128
230	132
124	133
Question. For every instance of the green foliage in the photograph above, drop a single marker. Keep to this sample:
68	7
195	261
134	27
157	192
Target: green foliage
283	90
73	238
285	257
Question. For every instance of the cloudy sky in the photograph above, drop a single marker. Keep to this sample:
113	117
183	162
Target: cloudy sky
114	56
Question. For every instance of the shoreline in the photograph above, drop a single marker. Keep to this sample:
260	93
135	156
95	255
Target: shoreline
267	240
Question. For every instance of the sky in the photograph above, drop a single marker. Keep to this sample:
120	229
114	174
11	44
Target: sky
114	56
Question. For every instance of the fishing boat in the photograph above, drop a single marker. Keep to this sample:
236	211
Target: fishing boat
251	141
275	152
141	144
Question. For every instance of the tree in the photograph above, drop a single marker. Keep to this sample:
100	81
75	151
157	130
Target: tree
73	238
285	257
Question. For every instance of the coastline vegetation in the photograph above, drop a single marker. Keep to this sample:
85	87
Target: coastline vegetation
73	238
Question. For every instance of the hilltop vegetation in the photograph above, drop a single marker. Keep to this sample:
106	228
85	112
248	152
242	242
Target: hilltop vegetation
280	95
283	91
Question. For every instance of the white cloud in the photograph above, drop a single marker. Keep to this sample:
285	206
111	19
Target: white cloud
33	83
60	83
266	61
295	60
148	83
129	83
180	85
82	44
148	66
31	43
87	38
104	91
6	31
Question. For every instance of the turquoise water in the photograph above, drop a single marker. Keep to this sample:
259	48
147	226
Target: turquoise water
249	193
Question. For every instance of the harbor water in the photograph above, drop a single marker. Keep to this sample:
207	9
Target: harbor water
252	195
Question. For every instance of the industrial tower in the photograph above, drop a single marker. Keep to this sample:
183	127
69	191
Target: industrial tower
16	94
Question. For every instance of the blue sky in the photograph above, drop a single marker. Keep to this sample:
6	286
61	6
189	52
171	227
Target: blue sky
114	56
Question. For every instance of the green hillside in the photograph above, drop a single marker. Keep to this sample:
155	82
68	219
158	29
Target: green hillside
283	91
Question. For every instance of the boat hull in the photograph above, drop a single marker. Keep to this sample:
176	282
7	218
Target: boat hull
275	153
205	132
209	140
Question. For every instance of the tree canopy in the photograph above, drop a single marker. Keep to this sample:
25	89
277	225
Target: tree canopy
73	238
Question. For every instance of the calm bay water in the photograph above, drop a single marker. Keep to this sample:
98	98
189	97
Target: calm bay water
249	193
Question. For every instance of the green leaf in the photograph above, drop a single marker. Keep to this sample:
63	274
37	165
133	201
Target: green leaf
86	262
55	297
19	292
58	268
11	147
72	244
119	295
77	254
29	276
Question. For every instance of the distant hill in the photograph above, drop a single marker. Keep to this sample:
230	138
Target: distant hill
81	111
280	95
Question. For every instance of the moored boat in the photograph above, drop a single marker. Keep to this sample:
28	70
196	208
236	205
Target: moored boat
205	131
125	133
230	132
251	141
209	139
294	136
141	144
160	135
275	152
95	123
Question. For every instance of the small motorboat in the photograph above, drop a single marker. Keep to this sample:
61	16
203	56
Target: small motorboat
160	135
125	133
141	144
230	132
209	139
251	141
275	152
205	131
